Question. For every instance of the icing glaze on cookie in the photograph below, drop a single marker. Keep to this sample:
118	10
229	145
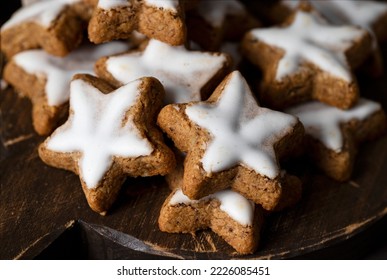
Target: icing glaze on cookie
112	4
44	13
164	4
360	13
242	132
59	71
323	122
310	39
215	12
235	205
97	130
183	73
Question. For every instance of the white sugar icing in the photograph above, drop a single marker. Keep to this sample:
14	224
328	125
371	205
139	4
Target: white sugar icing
96	129
323	122
183	73
59	71
215	12
165	4
235	205
309	38
355	12
43	12
242	132
360	13
112	4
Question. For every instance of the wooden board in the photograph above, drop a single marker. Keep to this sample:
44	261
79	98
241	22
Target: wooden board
38	204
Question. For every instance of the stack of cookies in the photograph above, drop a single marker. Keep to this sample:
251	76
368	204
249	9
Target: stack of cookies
169	99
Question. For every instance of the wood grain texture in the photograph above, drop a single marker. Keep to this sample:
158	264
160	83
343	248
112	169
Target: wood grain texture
39	203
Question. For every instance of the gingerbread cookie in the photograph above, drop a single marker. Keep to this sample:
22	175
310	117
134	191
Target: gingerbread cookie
57	27
161	20
109	135
234	218
307	59
45	79
333	135
232	142
370	15
213	22
278	11
185	75
291	191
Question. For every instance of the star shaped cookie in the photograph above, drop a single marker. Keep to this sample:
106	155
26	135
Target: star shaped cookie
370	15
232	142
333	135
57	27
307	59
290	193
161	20
109	135
45	79
213	22
227	213
230	215
186	75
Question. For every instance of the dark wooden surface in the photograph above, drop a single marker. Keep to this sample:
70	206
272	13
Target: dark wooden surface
43	212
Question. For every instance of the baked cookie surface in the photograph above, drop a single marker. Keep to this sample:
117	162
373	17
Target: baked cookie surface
45	79
214	22
161	20
370	15
333	135
57	27
307	59
110	134
186	75
231	142
237	220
